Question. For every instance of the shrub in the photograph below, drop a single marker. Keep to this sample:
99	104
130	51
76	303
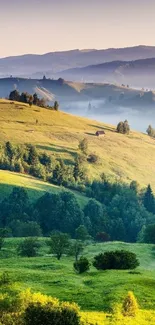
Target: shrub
28	247
130	306
93	158
42	310
116	260
82	265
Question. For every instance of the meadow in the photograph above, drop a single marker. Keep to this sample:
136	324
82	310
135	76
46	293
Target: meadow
96	291
122	157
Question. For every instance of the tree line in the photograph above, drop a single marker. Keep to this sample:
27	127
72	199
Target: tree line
30	99
113	212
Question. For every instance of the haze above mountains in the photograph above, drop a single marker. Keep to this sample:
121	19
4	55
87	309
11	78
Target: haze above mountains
126	65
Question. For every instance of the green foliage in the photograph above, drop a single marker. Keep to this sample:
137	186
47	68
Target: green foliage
56	106
51	313
28	247
81	233
149	200
76	249
5	279
150	131
130	306
93	158
117	260
59	244
82	265
149	234
123	127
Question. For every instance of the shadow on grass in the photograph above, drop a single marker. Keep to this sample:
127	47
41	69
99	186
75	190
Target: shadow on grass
92	134
57	149
108	128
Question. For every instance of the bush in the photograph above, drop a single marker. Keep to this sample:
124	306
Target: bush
130	306
82	265
43	310
93	158
116	260
28	247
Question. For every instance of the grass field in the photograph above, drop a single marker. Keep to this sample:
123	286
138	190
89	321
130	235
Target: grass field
34	187
94	291
122	157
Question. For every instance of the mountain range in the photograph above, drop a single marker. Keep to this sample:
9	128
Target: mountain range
53	64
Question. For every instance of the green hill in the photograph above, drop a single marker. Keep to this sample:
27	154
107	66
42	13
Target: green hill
122	157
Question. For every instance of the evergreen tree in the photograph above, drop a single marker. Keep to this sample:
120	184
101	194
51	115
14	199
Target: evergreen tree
148	200
14	95
56	106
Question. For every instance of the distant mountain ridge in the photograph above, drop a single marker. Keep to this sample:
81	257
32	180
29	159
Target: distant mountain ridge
138	73
51	63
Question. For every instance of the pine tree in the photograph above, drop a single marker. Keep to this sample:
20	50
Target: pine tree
56	106
130	306
148	200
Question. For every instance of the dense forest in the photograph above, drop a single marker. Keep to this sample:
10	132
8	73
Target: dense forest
113	212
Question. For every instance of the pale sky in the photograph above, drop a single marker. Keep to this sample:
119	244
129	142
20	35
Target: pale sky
40	26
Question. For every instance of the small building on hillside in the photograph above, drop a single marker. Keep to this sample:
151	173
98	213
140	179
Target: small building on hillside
100	133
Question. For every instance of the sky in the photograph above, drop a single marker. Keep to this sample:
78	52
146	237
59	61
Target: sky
41	26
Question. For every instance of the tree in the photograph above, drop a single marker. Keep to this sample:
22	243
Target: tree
56	106
96	213
126	127
9	150
149	234
123	127
81	233
134	186
59	243
3	234
14	95
78	171
120	127
150	131
35	99
116	260
83	146
130	306
82	265
32	155
148	200
76	249
28	247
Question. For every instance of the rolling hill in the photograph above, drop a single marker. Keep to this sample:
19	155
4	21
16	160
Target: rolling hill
106	96
121	157
51	63
138	73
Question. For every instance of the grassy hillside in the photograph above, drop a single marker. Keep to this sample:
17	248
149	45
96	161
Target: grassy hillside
121	156
35	188
93	291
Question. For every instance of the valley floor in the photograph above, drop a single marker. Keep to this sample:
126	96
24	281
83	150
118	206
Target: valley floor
93	291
